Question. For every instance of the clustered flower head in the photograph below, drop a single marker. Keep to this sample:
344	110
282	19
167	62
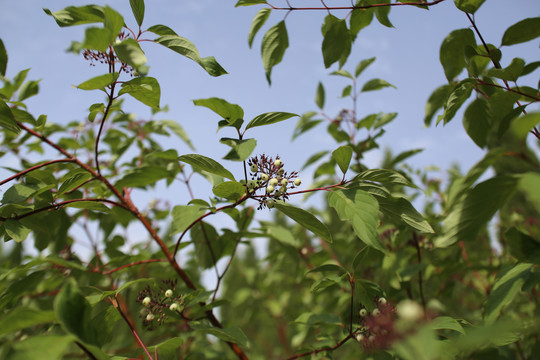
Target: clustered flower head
269	178
108	58
156	303
378	329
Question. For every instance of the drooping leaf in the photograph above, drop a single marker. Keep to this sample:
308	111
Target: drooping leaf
475	209
232	113
319	96
446	323
113	22
46	347
96	38
3	58
376	84
240	149
7	120
230	334
185	215
522	31
361	209
161	30
337	41
249	2
206	164
452	52
360	18
129	51
343	155
306	219
468	6
77	15
28	89
381	13
436	101
98	82
282	234
459	94
137	7
24	317
510	73
342	72
230	190
143	176
186	48
477	121
269	118
385	176
401	209
504	290
274	44
258	21
144	89
522	246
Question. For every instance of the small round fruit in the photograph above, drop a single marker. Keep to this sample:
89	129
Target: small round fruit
363	312
284	182
277	163
254	168
270	203
173	307
146	301
283	189
359	337
382	301
269	189
251	184
150	317
264	177
376	312
297	182
273	181
281	171
169	293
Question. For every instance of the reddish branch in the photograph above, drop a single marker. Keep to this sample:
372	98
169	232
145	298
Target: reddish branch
30	169
108	272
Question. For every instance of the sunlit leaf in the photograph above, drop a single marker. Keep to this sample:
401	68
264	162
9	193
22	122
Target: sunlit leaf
230	190
144	89
343	156
137	7
269	118
98	82
73	15
274	44
522	31
306	219
452	52
258	21
206	164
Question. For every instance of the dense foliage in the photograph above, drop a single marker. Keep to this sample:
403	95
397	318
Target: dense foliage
367	275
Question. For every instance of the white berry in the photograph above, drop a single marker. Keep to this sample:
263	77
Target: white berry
150	317
269	189
297	182
264	177
273	182
363	312
277	163
173	307
284	182
169	293
146	301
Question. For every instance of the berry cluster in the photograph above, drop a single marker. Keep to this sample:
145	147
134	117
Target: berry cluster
157	301
378	327
107	58
269	176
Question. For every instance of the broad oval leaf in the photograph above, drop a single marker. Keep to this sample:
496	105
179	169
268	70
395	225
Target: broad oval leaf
376	84
184	215
137	7
144	89
77	15
319	96
468	6
98	82
258	21
7	120
306	219
274	44
206	164
230	190
240	149
337	41
477	121
452	52
269	118
129	51
343	156
232	113
522	31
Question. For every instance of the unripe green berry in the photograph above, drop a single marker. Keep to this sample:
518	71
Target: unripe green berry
251	184
269	189
277	163
173	307
264	177
382	301
281	171
283	189
297	182
363	312
150	317
146	301
270	203
273	182
254	168
284	182
169	293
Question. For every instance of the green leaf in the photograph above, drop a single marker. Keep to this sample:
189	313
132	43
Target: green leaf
376	84
504	290
312	319
142	177
468	6
452	52
249	2
274	44
186	48
3	58
179	131
89	205
477	121
43	347
28	89
522	31
269	118
314	158
446	323
144	89
161	30
240	149
330	267
74	312
360	18
361	209
337	41
232	113
24	317
475	209
529	183
231	334
306	219
385	176
346	91
113	22
137	7
510	73
282	234
436	101
341	72
185	215
96	38
7	120
258	21
522	246
206	164
521	127
98	82
324	283
343	156
400	208
16	230
319	97
362	65
168	349
129	52
460	93
73	179
230	190
382	12
73	15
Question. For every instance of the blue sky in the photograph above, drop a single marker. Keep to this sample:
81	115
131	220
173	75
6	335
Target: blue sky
407	56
